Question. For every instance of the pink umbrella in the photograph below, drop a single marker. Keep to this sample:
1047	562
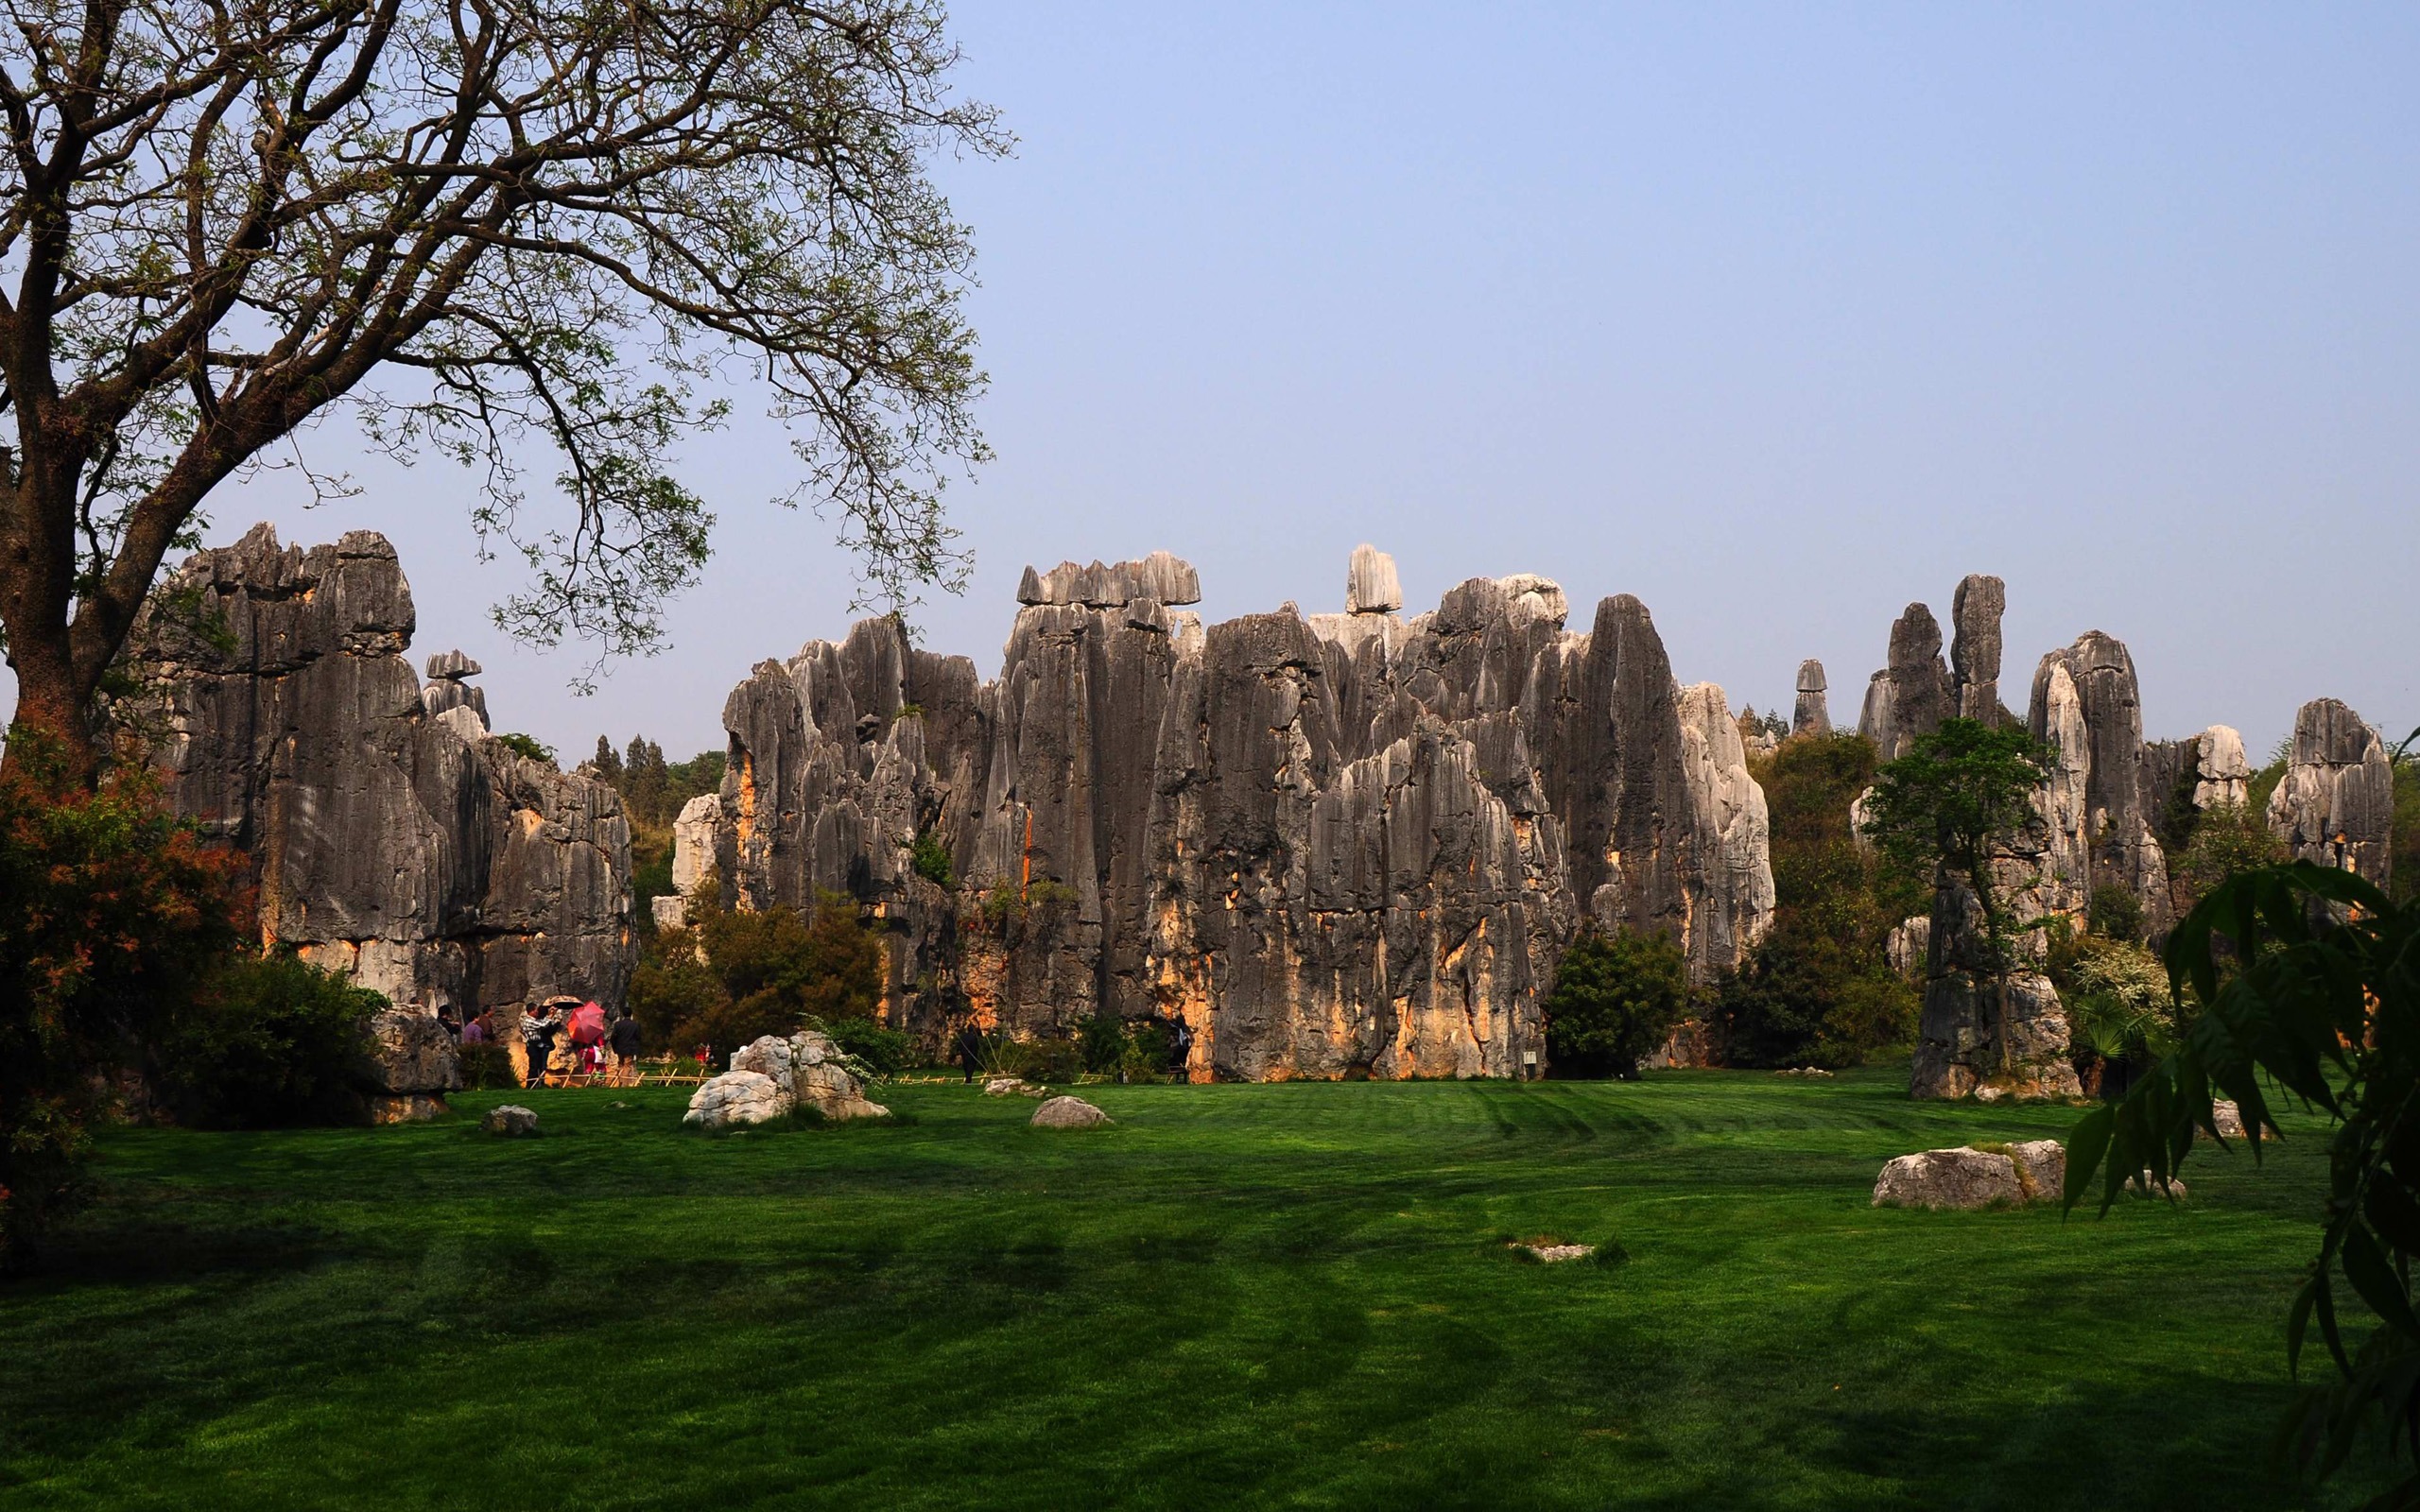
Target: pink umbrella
587	1025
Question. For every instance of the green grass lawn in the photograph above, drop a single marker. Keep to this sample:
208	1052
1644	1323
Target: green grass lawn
1241	1294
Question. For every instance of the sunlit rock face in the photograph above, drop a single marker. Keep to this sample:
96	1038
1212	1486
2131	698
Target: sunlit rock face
389	836
1334	845
2334	805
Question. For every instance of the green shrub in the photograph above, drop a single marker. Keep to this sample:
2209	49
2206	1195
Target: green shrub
1102	1041
2114	913
2119	1002
529	746
1615	997
2228	839
487	1066
269	1043
931	859
886	1052
1037	1060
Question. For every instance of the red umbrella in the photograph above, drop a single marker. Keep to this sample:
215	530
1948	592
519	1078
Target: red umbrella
587	1025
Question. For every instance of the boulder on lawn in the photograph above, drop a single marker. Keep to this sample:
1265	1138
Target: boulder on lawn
1069	1112
737	1097
404	1107
832	1092
1010	1087
2229	1119
512	1121
2041	1168
410	1052
1949	1178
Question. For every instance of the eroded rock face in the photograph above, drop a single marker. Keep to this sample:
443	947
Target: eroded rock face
1733	833
390	840
2334	805
1811	716
411	1053
1912	694
2100	809
1975	654
1332	845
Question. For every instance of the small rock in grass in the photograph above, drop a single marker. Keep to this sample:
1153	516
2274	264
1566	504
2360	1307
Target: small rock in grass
1069	1112
1012	1086
2150	1185
1552	1254
512	1120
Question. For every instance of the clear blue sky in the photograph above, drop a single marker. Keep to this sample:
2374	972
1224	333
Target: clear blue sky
1778	317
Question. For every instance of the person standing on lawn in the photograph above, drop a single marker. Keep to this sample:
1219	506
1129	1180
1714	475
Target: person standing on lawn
538	1030
970	1050
625	1041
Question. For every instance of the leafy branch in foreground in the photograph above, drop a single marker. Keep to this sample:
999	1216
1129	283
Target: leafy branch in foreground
2309	978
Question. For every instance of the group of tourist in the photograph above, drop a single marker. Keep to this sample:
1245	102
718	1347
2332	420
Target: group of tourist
564	1047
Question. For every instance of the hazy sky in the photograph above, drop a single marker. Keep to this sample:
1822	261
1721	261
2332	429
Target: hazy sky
1778	317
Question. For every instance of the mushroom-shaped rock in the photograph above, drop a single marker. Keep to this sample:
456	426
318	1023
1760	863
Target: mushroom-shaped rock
1812	716
452	666
1069	1112
737	1097
1370	584
509	1121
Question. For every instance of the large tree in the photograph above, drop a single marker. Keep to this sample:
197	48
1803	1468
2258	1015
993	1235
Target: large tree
491	228
1962	791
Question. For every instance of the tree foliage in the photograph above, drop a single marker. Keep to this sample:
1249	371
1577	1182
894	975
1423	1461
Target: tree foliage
761	973
1616	998
268	1041
114	913
1961	791
2308	979
485	232
1818	988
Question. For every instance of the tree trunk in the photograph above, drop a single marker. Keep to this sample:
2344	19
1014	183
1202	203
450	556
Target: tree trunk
50	736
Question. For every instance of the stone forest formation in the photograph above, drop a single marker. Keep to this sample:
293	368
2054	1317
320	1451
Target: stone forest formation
1331	844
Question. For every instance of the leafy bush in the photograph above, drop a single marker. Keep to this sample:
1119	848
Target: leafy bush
2226	840
2118	999
1104	1040
269	1043
884	1052
1012	913
931	859
487	1066
528	746
1037	1060
1615	997
2114	913
115	913
765	972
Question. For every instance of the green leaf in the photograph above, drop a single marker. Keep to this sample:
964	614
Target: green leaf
2373	1276
2087	1143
